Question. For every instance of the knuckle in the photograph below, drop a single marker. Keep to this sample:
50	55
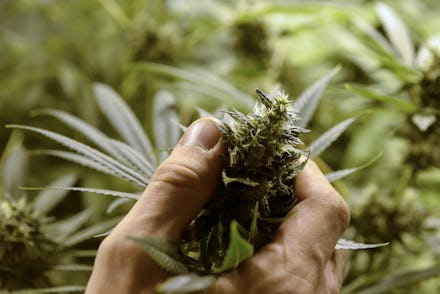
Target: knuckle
177	175
341	211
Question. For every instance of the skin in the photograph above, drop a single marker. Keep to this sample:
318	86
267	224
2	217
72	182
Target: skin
300	259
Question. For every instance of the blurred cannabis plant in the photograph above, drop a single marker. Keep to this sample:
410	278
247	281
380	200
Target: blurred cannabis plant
403	79
414	76
35	247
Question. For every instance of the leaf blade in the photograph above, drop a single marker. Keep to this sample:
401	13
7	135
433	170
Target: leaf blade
307	102
164	253
186	283
397	32
238	250
326	139
123	119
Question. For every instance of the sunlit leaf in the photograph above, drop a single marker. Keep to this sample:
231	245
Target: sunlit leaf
351	245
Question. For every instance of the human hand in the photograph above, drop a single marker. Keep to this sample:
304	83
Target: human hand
300	259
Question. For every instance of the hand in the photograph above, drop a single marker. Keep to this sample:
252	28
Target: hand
300	259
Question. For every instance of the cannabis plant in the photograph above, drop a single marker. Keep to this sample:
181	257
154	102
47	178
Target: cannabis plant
404	78
35	247
265	154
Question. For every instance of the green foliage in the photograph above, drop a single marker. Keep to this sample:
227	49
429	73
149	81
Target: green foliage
207	55
239	249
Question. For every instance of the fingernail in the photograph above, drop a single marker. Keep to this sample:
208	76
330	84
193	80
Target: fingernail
202	133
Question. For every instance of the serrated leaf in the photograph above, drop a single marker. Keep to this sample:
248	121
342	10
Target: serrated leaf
326	139
239	249
135	159
351	245
166	132
91	153
201	81
60	230
307	102
46	200
164	253
186	283
118	150
397	32
339	174
78	159
123	119
113	193
89	131
116	203
90	232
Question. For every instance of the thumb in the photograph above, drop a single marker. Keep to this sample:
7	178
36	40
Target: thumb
180	186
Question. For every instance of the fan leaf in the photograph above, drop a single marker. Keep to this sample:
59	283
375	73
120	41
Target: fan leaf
339	174
397	32
186	283
307	102
164	253
238	250
91	153
49	198
326	139
123	119
351	245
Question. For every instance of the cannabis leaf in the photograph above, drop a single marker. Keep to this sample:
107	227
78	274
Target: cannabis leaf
164	252
239	249
186	283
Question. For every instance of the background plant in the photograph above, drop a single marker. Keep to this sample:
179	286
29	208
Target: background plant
53	51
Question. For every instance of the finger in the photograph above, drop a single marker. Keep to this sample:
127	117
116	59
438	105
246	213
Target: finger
309	235
180	186
334	273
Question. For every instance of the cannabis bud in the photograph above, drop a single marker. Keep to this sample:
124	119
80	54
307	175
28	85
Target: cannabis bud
256	193
25	252
253	198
